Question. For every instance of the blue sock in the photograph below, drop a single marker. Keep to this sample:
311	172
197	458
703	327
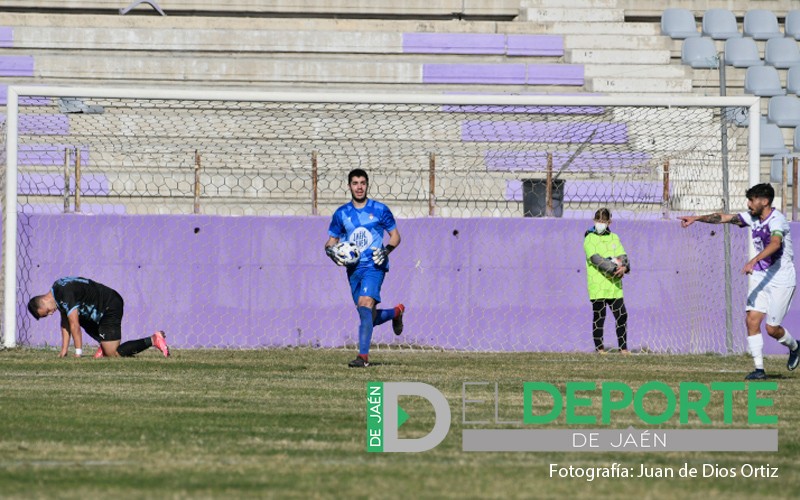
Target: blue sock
383	316
364	330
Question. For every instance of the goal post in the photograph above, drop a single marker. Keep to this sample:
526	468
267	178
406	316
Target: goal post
235	166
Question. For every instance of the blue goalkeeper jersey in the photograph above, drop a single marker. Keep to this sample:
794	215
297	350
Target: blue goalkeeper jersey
364	227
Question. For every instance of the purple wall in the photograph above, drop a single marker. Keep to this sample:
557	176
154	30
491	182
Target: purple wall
496	284
542	131
6	36
504	74
16	65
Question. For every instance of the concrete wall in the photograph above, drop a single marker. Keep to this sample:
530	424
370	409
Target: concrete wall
502	284
307	7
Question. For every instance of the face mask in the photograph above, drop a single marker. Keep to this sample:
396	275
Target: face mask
600	227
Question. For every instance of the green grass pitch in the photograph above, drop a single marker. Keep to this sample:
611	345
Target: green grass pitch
290	423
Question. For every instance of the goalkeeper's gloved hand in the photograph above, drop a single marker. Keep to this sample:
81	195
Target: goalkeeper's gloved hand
379	255
330	252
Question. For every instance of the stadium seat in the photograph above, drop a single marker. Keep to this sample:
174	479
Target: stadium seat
761	24
720	24
782	52
771	139
796	145
699	53
763	81
742	53
793	80
784	110
776	169
678	24
791	27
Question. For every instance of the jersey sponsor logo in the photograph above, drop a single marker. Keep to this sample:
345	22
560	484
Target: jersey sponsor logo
361	237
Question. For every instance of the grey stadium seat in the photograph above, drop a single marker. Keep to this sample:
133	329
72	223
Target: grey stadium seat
793	80
678	24
771	139
791	26
782	52
720	24
699	53
742	53
761	24
763	81
796	145
776	169
784	110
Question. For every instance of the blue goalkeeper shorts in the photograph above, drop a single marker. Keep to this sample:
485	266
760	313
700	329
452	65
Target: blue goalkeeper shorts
366	281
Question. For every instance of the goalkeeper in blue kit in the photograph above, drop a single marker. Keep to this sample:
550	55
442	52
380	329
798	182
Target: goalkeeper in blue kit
363	221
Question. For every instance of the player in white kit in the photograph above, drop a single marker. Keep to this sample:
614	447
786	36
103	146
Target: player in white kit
773	279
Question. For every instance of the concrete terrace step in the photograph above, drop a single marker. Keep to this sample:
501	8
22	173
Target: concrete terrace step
587	15
583	28
627	42
246	23
611	70
638	85
207	40
279	41
580	4
617	57
334	68
388	8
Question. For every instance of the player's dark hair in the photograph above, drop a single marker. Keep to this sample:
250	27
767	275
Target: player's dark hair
33	306
763	190
602	214
357	172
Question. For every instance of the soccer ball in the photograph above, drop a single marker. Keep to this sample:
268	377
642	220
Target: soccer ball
347	252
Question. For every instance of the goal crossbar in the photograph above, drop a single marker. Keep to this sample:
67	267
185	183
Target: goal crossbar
15	92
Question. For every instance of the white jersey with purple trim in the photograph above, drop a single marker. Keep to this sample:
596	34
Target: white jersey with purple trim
778	268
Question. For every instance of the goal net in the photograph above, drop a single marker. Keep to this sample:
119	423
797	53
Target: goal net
208	210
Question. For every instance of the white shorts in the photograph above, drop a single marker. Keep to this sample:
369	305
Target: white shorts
774	301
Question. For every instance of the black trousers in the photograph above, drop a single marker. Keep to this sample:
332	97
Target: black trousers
599	317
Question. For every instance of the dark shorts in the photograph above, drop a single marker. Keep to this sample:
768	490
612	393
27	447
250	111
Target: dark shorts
110	327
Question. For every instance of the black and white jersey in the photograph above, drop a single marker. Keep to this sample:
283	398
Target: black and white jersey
92	299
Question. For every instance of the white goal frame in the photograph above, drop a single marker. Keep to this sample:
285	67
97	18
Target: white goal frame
16	91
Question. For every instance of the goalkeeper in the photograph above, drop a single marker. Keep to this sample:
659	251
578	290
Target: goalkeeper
606	264
363	221
98	309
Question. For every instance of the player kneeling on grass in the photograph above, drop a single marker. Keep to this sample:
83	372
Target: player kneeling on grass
606	264
772	282
98	309
360	224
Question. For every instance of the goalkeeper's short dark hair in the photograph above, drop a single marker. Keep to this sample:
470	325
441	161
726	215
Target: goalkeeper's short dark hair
357	172
763	190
